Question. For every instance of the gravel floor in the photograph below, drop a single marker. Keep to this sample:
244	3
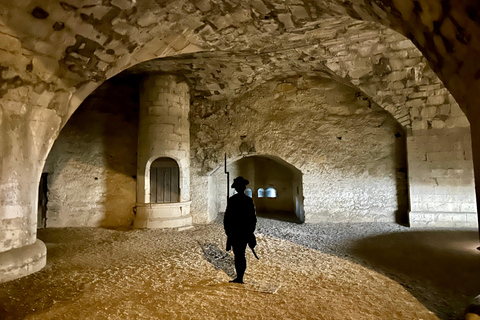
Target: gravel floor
439	267
328	271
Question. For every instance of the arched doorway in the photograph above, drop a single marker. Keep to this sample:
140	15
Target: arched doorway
164	181
275	186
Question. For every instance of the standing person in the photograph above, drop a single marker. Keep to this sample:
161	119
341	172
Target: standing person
239	223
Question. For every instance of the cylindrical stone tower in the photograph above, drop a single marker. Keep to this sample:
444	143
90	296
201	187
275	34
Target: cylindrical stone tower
163	165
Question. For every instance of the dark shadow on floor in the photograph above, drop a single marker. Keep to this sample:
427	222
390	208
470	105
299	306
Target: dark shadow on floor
218	258
440	268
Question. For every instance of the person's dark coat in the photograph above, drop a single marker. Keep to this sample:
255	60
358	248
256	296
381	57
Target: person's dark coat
240	219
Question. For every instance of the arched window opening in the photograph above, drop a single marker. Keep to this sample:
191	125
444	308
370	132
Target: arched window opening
164	181
261	193
248	192
271	193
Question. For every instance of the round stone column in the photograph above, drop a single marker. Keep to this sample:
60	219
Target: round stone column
164	132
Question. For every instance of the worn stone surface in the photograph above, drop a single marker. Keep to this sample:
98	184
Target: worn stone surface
53	55
350	152
98	274
92	165
440	173
163	133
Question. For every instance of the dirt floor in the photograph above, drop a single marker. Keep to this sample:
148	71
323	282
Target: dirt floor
348	271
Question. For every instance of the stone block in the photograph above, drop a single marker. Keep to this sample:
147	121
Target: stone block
45	98
396	64
123	4
12	107
414	53
364	51
445	109
421	217
468	206
429	112
436	100
444	155
166	128
438	124
402	45
412	62
10	43
457	122
419	125
472	217
286	20
415	103
379	48
176	41
16	61
299	13
456	111
98	11
28	25
171	120
203	5
158	111
45	68
259	7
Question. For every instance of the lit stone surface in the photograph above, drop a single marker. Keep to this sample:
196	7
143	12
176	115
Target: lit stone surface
166	274
163	132
52	57
95	153
343	145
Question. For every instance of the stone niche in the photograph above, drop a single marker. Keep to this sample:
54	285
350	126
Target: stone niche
351	153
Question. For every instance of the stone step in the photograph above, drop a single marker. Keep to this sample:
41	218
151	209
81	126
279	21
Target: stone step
161	223
162	210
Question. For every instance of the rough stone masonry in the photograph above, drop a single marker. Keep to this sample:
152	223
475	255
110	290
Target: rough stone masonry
54	54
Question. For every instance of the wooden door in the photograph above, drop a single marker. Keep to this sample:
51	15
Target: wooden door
164	182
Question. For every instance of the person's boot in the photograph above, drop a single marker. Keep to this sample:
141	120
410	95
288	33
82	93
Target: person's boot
237	280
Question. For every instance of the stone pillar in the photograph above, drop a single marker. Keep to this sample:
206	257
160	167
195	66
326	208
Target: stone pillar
164	132
21	253
441	184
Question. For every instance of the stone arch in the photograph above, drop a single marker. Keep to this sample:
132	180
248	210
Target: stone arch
263	171
383	64
163	214
148	168
46	81
275	130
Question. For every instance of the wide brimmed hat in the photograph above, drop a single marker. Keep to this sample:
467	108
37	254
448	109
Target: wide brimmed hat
239	182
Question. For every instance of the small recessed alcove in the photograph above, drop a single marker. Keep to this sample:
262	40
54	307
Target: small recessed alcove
275	187
164	181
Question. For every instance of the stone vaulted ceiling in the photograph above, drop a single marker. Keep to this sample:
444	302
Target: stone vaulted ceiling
54	53
388	68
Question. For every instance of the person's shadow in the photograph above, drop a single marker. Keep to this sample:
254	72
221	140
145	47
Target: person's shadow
218	258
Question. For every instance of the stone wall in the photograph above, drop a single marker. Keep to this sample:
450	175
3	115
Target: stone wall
54	54
441	184
351	152
92	165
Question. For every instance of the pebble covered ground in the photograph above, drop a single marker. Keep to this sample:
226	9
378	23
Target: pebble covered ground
304	272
